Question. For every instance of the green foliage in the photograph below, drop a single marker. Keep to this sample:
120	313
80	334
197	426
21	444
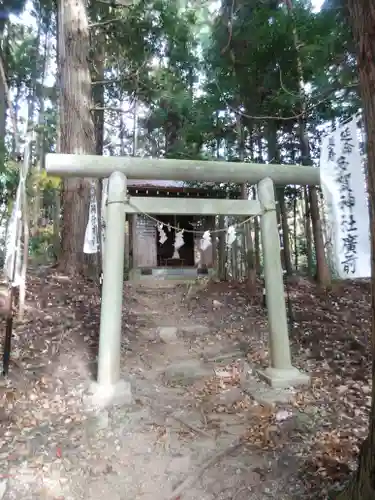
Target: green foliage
206	85
159	52
9	175
41	245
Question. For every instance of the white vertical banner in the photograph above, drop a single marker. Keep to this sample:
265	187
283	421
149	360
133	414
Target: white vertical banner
91	244
346	202
12	263
103	214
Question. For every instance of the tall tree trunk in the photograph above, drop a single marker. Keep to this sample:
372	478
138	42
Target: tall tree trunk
258	266
122	134
309	252
40	150
285	230
323	274
135	127
4	48
97	71
76	125
249	246
274	157
3	114
58	191
98	98
222	251
322	269
16	107
362	16
295	235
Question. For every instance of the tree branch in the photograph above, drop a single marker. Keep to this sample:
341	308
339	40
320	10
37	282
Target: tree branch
119	3
106	82
309	107
104	23
110	108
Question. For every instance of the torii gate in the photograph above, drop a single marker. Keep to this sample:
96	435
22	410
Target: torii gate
280	373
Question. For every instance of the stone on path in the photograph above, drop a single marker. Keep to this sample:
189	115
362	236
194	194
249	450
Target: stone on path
229	397
167	334
198	330
179	464
186	372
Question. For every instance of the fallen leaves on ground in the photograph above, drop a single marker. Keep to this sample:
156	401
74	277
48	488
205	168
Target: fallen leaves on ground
55	348
330	339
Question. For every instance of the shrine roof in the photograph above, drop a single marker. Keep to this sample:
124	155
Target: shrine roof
168	186
155	183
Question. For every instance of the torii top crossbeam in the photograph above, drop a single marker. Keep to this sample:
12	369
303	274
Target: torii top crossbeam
69	165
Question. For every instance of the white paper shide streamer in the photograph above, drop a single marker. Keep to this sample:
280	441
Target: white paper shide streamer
346	204
162	234
178	243
91	244
205	241
230	236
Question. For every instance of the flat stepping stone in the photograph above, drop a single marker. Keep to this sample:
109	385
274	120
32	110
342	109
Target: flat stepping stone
228	397
186	372
194	330
167	334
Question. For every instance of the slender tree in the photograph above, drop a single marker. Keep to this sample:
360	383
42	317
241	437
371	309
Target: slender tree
362	18
77	133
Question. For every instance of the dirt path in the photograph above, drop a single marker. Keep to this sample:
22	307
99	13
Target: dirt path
192	432
155	449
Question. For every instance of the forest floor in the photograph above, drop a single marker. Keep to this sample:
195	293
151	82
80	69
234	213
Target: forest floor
193	432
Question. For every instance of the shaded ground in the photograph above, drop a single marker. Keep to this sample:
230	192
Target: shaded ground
192	432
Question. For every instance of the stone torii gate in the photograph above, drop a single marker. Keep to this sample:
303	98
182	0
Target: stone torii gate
281	373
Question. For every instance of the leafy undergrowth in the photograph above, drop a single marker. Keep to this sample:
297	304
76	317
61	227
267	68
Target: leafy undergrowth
331	339
310	443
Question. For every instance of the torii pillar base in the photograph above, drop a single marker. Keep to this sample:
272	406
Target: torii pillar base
101	396
284	378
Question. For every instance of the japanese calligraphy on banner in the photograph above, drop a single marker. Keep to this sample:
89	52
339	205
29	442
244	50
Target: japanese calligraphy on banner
91	244
346	205
103	213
